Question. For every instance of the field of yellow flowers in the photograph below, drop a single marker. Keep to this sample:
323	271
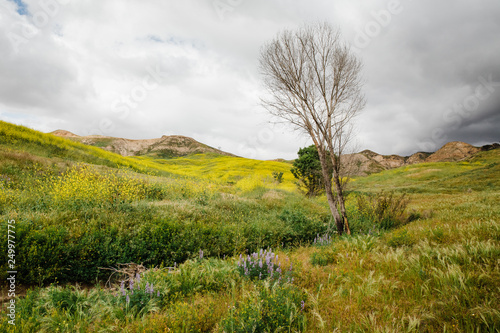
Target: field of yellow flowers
225	247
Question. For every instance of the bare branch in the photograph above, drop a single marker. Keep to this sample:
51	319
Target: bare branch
314	84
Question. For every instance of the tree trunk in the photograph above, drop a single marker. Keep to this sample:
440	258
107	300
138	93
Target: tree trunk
332	202
340	199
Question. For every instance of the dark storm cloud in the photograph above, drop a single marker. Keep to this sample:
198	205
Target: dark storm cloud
427	64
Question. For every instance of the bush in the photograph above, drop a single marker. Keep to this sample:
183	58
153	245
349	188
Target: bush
261	266
272	308
384	210
400	238
323	257
138	298
278	176
303	228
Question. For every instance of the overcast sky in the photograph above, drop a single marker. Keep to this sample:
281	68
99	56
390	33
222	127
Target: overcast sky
143	69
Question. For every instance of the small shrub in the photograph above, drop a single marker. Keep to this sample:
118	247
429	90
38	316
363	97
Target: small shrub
325	256
137	301
303	228
262	265
278	176
324	240
273	308
401	238
385	210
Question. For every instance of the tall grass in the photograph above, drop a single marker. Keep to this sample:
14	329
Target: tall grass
435	272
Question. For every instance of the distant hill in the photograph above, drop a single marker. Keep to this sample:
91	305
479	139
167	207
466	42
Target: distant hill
362	163
168	146
368	162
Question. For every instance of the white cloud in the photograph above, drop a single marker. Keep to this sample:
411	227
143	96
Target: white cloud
144	69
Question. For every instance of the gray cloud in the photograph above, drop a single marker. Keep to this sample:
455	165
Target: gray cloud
144	69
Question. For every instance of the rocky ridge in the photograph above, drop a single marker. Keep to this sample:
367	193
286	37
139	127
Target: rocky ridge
367	161
362	163
168	146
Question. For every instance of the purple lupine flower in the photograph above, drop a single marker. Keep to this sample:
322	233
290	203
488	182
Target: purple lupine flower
201	254
260	275
158	293
131	285
151	289
138	277
260	263
291	265
146	289
302	305
128	299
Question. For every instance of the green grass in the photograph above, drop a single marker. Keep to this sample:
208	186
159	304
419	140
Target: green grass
78	208
478	174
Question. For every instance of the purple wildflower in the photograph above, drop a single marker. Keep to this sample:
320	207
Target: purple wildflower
302	305
128	299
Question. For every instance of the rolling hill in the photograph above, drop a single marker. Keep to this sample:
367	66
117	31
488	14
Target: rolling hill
368	162
360	164
190	221
168	146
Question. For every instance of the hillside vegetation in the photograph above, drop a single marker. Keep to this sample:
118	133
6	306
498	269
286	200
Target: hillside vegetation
432	268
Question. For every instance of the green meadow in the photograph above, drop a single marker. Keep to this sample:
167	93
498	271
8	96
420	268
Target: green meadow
224	247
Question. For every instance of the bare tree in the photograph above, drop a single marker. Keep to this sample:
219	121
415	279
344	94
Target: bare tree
314	83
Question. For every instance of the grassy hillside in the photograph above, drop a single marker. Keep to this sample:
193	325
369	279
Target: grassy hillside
75	217
480	173
434	268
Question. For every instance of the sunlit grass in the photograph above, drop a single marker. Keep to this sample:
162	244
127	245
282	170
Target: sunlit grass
77	210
